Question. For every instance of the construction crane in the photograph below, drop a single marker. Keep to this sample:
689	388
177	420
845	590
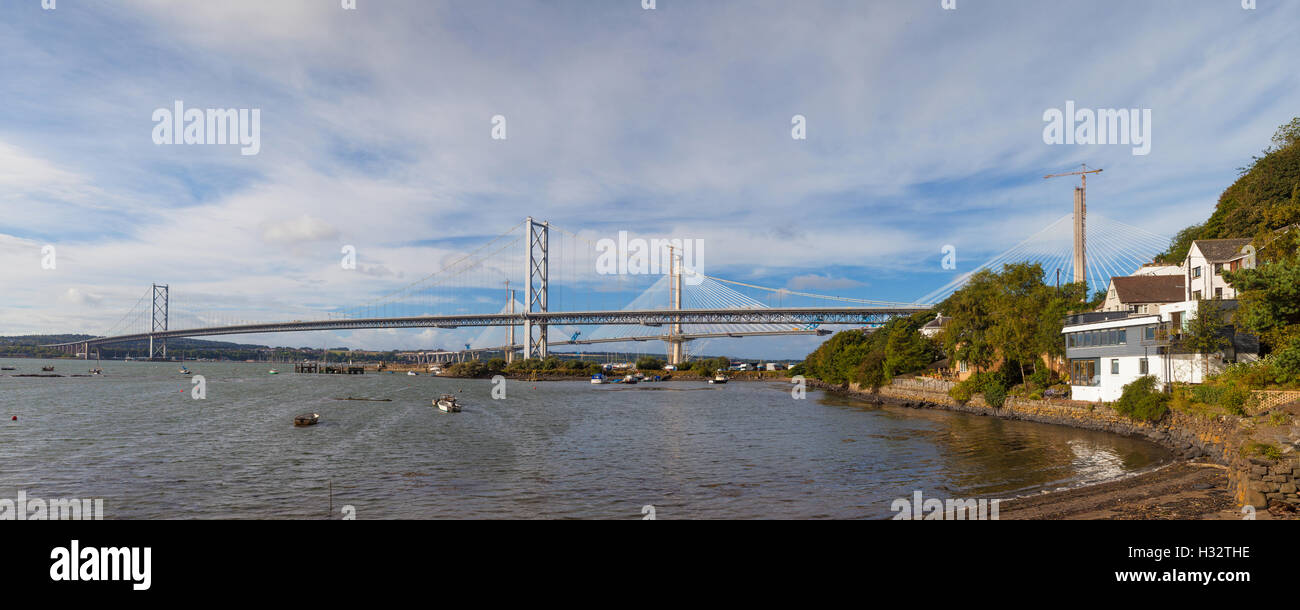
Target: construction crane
1080	223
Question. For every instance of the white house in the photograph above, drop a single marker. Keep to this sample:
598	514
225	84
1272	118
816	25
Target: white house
1107	350
1206	261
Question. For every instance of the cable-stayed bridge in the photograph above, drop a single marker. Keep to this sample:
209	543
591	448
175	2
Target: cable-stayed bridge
565	296
564	301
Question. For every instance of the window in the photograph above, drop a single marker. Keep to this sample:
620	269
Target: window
1218	268
1123	336
1196	272
963	367
1084	372
1142	366
1218	293
1196	295
1149	333
1114	366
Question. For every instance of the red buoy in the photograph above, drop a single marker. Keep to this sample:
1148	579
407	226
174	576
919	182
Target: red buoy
15	418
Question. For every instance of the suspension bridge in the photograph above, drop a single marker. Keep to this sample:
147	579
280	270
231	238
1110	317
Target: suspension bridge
566	303
674	301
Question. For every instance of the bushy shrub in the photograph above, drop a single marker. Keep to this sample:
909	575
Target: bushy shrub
1141	401
1041	377
1250	375
995	395
1286	363
962	392
1234	400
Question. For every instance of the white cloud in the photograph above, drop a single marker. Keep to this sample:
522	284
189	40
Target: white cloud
298	230
820	282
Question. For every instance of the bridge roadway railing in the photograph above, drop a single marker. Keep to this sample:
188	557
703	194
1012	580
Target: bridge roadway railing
764	315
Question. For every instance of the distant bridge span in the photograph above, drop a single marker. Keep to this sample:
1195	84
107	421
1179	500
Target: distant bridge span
800	316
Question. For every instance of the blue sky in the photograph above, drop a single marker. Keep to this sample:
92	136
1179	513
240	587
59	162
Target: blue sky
924	129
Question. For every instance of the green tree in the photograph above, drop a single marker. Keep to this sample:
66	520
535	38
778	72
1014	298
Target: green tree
1269	300
649	363
1205	334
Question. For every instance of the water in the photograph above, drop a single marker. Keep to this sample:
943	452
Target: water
137	439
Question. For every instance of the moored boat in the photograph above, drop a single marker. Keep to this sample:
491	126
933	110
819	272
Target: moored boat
306	419
598	379
447	403
718	378
630	379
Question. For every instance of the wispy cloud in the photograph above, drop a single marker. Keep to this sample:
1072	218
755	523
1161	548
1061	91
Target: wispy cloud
924	130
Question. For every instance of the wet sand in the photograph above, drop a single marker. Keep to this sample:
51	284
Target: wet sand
1182	490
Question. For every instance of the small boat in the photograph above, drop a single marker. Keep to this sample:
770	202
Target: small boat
412	373
598	379
306	419
7	368
96	371
447	403
185	371
630	379
273	372
719	378
47	368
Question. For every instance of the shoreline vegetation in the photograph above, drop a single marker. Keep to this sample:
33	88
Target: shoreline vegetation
999	349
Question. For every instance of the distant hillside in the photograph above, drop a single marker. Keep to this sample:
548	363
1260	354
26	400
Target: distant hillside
1265	198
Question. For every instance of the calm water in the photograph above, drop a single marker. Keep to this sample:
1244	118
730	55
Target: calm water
138	440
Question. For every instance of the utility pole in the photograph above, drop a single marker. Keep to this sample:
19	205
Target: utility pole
1080	224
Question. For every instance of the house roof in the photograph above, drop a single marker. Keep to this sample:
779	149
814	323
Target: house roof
1149	288
1221	250
937	322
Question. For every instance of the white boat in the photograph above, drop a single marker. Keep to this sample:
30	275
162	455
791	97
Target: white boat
412	373
630	379
598	379
185	371
273	372
447	403
718	378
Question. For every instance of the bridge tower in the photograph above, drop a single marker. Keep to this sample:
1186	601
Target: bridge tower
510	307
676	353
1080	224
537	268
160	298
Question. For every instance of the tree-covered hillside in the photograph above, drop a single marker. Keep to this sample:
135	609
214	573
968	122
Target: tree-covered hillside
1264	199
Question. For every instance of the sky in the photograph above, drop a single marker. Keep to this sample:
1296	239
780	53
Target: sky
924	128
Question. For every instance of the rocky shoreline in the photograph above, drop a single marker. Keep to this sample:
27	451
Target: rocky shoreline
1210	479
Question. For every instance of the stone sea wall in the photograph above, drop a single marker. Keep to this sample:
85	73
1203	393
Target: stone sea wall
1254	480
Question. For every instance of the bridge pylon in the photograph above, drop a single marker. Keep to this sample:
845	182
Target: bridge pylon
160	311
676	345
537	269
